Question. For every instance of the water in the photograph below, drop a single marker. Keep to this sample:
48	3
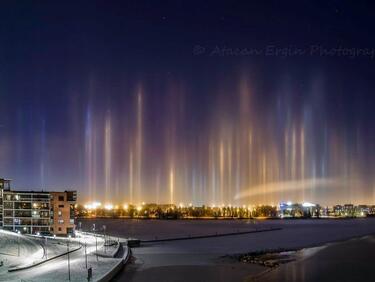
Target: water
194	260
345	261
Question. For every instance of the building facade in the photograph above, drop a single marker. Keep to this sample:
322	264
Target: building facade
4	185
36	211
63	212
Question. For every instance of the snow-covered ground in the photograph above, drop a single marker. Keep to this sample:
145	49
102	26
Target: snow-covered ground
33	249
193	256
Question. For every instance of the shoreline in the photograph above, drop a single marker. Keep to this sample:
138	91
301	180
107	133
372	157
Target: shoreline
213	258
224	268
321	265
223	218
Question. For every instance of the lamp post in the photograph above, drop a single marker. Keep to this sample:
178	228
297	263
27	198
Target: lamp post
18	242
105	239
46	243
96	243
86	253
68	258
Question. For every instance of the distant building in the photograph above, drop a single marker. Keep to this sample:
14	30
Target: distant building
306	210
36	211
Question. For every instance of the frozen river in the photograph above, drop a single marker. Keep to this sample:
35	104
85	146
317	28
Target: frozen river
183	260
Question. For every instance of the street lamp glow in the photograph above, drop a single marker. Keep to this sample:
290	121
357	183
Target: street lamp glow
88	206
139	208
96	204
308	205
126	206
108	206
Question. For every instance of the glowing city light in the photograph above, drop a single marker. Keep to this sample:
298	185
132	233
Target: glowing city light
308	205
92	206
88	206
96	204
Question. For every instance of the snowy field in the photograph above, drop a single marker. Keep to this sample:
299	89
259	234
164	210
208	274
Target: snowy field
178	260
184	260
33	250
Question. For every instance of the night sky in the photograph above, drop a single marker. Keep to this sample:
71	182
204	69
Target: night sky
224	102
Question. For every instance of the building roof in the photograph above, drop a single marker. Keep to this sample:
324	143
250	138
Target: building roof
26	192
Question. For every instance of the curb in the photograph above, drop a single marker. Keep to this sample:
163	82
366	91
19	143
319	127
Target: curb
118	266
111	255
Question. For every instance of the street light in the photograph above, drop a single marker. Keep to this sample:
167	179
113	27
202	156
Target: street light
18	242
105	239
68	258
96	243
46	243
86	253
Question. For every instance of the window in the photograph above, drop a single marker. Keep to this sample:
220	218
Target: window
59	228
22	205
8	213
61	221
44	214
60	213
61	206
61	198
71	211
26	197
22	213
8	221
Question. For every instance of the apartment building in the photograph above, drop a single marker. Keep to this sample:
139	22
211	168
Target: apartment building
27	212
62	212
36	211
